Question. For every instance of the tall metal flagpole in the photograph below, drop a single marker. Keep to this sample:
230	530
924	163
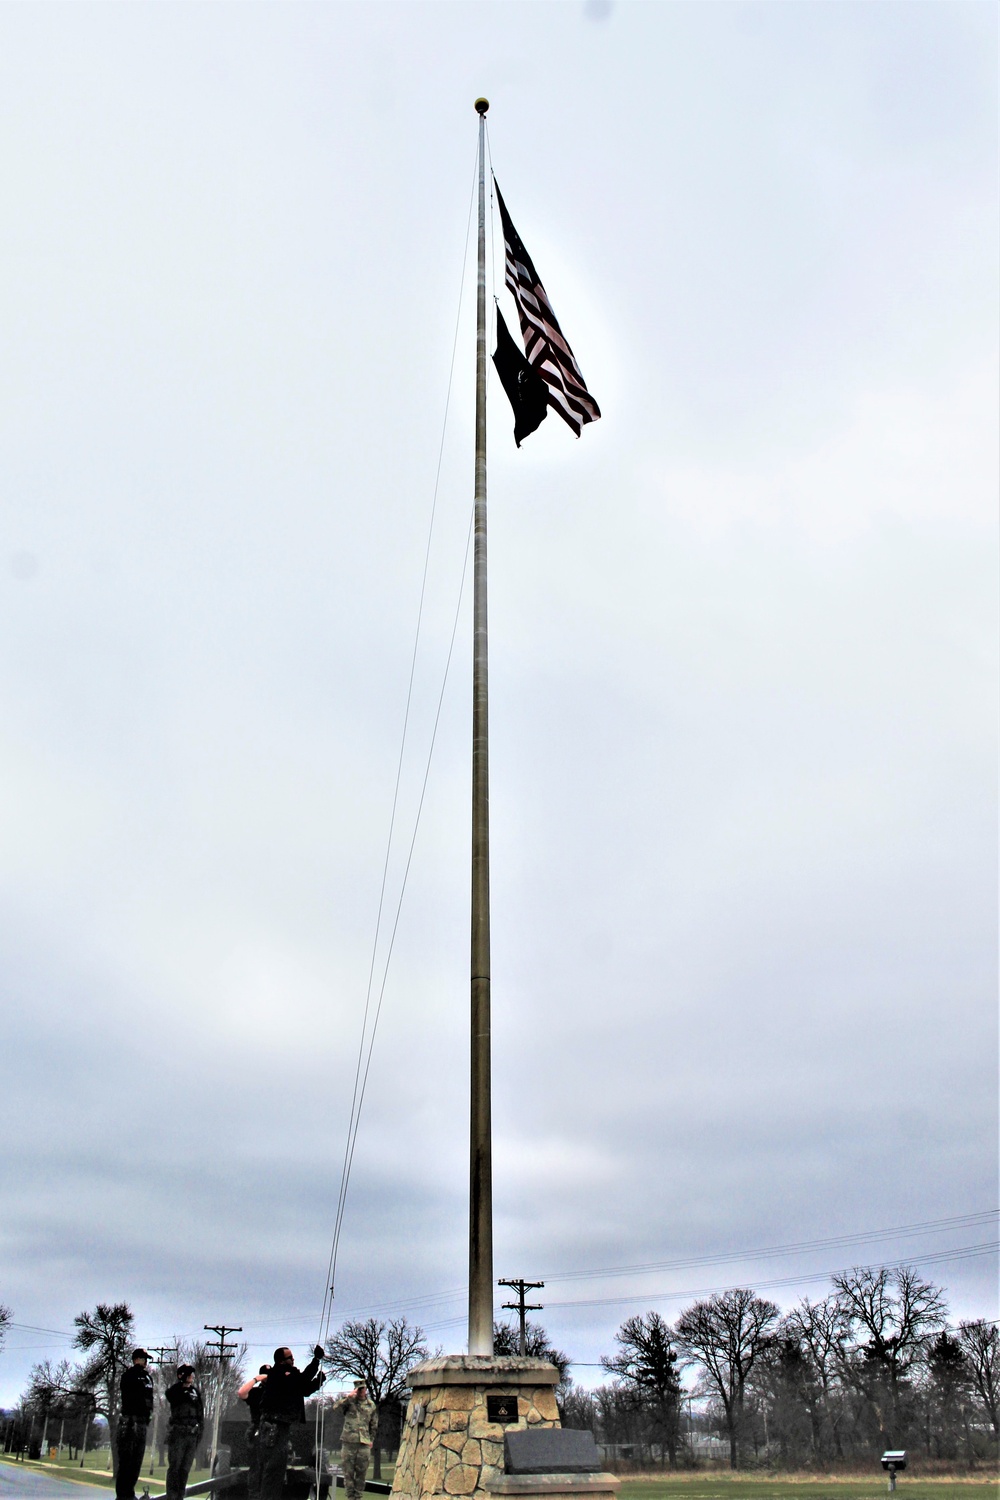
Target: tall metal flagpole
481	1147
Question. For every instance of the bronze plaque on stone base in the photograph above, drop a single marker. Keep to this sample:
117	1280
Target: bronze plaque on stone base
501	1409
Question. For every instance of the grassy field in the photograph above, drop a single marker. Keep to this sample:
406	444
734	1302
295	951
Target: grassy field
96	1473
697	1485
726	1486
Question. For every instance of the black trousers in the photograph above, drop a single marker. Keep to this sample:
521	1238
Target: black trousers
182	1445
131	1447
273	1446
254	1455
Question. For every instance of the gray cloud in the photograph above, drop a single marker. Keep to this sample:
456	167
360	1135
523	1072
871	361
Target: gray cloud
743	657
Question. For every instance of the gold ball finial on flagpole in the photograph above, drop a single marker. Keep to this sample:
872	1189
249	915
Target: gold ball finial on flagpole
482	105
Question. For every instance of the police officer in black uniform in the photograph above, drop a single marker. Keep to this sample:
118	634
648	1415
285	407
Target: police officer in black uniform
283	1403
253	1394
136	1409
187	1423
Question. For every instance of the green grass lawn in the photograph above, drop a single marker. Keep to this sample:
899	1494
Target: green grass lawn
696	1485
723	1486
97	1472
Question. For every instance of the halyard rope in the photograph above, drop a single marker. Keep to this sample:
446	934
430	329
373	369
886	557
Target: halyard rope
367	1040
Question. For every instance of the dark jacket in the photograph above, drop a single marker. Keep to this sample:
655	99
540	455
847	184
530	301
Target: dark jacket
254	1400
187	1409
285	1391
137	1394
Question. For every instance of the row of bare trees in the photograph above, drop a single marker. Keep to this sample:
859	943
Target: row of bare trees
873	1365
63	1401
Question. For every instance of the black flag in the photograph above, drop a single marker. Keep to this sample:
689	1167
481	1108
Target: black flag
544	344
526	390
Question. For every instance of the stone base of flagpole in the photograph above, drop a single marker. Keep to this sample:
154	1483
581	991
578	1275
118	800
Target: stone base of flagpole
452	1442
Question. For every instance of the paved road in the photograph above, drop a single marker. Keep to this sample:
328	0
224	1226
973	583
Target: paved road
24	1482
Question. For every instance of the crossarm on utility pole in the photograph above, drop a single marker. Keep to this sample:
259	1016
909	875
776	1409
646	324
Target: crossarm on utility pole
220	1343
521	1307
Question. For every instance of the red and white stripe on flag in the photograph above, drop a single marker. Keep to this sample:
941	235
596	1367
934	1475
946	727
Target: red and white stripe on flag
546	348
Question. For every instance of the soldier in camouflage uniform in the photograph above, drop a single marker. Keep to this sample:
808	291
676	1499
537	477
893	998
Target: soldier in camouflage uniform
360	1426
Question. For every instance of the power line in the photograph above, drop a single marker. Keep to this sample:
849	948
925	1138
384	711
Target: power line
429	1300
963	1221
966	1252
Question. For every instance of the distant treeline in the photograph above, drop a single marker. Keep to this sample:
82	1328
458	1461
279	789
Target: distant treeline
873	1365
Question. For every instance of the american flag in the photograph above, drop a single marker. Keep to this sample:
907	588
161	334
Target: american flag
544	344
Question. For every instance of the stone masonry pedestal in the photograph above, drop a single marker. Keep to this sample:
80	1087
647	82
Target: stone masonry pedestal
450	1447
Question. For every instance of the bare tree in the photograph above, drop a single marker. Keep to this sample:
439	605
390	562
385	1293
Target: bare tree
507	1340
980	1343
381	1354
6	1317
945	1392
580	1410
647	1362
820	1331
106	1335
618	1415
725	1335
218	1386
888	1315
47	1389
786	1398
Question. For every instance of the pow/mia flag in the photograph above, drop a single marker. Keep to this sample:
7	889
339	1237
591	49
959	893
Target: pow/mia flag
547	350
526	390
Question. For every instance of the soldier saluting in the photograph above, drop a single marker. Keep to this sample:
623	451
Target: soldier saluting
360	1427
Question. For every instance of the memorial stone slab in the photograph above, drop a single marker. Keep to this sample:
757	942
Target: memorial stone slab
550	1450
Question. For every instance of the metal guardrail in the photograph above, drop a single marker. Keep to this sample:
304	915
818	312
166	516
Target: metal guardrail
219	1482
223	1481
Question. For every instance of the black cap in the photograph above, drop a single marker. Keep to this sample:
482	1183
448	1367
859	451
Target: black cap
139	1354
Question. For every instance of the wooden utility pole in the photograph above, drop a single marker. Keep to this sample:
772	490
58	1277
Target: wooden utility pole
159	1357
480	1146
521	1307
224	1349
91	1403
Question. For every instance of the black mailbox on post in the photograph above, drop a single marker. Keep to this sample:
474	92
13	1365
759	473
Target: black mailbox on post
894	1460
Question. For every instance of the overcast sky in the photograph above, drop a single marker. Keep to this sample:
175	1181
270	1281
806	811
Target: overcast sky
743	657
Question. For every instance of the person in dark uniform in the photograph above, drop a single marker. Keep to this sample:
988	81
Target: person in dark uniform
187	1423
253	1394
283	1402
136	1409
